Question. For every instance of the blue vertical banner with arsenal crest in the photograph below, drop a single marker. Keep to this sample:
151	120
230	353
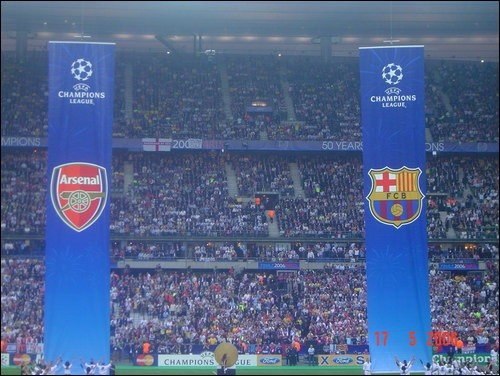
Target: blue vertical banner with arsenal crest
393	124
77	282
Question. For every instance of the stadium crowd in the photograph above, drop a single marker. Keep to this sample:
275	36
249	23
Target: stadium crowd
254	79
472	112
185	195
182	97
24	190
333	203
175	97
191	310
326	101
189	194
262	174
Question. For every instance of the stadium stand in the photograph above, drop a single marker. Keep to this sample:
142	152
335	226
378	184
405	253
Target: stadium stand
183	206
160	95
180	311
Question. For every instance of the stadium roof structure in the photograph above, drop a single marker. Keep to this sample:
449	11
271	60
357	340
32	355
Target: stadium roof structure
461	30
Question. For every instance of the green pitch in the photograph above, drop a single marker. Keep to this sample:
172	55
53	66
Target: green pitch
298	370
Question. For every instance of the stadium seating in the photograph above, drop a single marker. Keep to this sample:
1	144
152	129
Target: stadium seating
161	95
201	205
179	311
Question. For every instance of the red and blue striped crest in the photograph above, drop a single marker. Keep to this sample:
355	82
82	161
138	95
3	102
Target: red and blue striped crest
395	197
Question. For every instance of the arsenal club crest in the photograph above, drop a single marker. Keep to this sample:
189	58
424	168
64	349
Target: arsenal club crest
78	191
395	197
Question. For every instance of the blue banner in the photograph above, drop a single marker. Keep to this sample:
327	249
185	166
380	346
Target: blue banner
459	265
77	283
393	125
287	265
134	144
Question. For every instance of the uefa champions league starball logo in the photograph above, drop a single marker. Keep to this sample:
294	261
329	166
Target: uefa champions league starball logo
392	74
81	69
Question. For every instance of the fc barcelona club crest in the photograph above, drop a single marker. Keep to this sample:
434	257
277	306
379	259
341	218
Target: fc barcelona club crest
78	191
395	197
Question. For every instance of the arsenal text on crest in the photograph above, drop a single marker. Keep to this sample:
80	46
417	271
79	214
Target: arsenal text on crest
78	191
80	180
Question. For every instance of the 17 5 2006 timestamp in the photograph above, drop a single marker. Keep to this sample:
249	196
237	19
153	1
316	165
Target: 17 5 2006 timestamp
434	338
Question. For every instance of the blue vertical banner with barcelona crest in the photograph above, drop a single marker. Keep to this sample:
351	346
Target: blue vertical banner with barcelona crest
393	124
77	282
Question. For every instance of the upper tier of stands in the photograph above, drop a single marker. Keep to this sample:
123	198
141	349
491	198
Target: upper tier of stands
183	96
